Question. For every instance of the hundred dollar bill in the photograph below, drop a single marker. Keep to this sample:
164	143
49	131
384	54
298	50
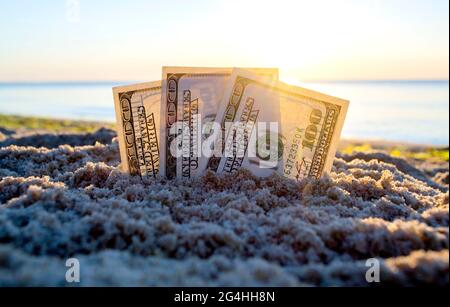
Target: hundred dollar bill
189	103
138	119
308	126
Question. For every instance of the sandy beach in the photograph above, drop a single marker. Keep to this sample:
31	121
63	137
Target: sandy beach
62	195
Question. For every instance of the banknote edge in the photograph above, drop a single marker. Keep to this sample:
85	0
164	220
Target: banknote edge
117	90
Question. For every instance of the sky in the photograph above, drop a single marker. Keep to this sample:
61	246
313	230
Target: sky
81	40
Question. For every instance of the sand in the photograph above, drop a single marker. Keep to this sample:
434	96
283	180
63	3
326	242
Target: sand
63	196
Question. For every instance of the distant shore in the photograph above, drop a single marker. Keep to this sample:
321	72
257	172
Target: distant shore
27	123
24	124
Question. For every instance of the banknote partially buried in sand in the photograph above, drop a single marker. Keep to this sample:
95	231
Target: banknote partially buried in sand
214	145
218	177
221	120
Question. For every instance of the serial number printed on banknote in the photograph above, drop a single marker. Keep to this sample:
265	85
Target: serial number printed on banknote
137	109
308	127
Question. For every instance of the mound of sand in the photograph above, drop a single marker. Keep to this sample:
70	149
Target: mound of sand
61	201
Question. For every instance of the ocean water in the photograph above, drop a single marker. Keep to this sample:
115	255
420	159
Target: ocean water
406	111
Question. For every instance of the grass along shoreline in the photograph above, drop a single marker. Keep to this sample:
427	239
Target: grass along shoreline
421	152
18	122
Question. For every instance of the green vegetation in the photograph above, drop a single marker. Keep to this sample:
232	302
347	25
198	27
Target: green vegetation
356	148
56	125
437	154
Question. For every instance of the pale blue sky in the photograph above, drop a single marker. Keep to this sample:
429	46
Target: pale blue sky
130	40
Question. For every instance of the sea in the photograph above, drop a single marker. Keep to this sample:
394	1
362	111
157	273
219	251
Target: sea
400	111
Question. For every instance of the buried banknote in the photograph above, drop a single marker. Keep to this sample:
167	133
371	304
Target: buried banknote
137	118
222	119
276	127
138	109
189	103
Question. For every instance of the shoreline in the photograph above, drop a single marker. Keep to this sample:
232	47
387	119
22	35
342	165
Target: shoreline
380	144
24	124
18	124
